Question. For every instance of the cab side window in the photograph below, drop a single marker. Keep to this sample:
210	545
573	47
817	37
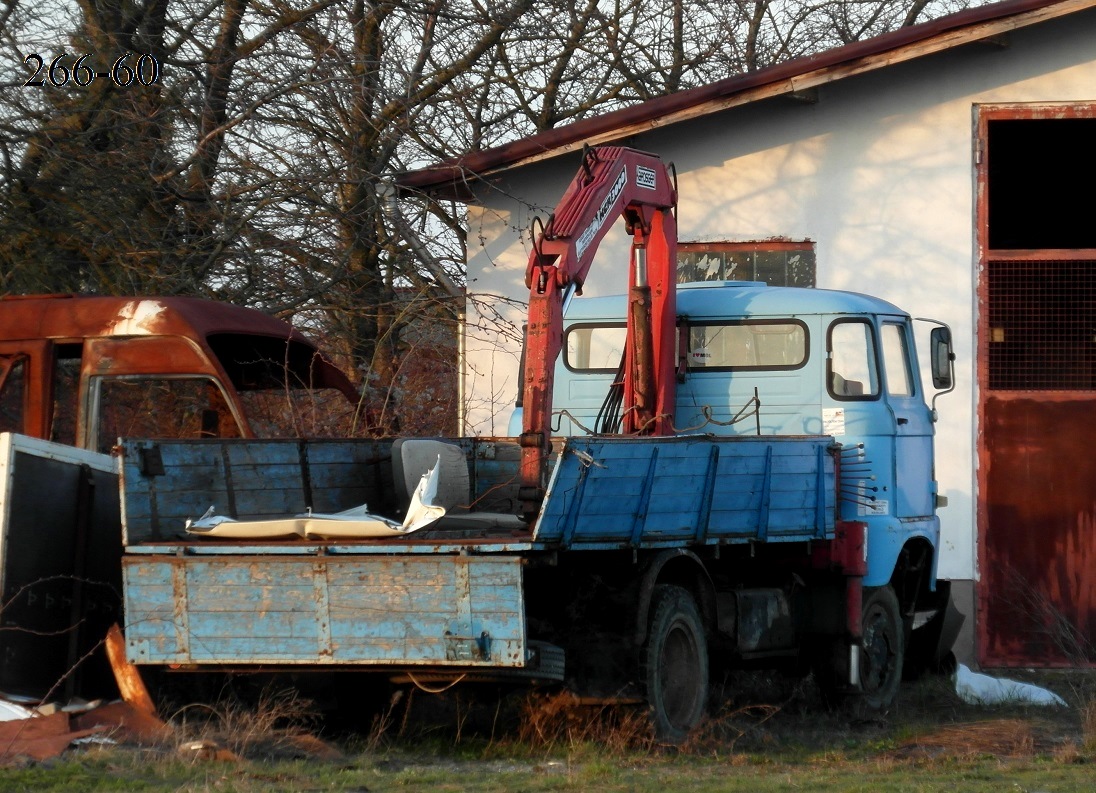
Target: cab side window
594	348
12	388
155	407
66	394
896	360
853	371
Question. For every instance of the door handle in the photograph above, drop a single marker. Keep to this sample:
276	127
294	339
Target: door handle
903	420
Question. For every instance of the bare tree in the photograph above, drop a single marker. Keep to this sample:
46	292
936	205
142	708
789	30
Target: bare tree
112	169
253	167
356	81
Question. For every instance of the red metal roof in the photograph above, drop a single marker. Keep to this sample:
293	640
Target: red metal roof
455	177
73	318
76	317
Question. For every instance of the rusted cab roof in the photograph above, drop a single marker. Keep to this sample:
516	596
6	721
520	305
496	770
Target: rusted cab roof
77	317
73	318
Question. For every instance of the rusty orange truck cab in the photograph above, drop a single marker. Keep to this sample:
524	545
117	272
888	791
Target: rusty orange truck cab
87	370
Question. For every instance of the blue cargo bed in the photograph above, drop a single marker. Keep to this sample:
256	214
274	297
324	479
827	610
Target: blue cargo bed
441	597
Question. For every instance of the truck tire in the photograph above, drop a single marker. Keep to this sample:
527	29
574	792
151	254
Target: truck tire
884	648
675	664
881	658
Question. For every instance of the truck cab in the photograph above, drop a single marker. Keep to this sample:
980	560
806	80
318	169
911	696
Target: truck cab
777	361
85	371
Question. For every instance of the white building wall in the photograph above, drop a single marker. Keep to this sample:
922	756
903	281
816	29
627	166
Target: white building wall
879	172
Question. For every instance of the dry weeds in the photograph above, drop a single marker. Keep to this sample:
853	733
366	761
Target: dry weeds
997	737
280	724
773	732
1088	726
561	720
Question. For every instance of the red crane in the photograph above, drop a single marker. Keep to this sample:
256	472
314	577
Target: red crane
613	182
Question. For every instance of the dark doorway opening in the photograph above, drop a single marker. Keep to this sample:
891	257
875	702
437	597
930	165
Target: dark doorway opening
1040	176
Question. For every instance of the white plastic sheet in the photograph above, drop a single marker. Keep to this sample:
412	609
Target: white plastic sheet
979	689
351	524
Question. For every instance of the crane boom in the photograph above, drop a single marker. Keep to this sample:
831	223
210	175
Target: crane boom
613	182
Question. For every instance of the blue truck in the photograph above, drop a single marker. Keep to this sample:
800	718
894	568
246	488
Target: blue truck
774	503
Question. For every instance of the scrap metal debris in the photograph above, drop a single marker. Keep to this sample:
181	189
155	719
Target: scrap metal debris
42	730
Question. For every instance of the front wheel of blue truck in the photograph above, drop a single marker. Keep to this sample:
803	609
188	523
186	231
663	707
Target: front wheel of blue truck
884	649
879	660
675	664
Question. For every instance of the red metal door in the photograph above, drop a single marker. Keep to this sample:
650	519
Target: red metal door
1037	386
1038	548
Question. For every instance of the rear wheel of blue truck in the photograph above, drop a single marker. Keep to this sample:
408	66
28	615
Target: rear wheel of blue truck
675	664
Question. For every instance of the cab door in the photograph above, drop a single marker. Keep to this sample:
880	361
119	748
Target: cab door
874	399
915	490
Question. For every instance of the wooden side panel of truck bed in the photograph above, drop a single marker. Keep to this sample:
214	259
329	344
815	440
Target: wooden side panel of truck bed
165	483
358	610
646	492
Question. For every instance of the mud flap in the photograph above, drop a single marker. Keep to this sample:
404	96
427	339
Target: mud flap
929	646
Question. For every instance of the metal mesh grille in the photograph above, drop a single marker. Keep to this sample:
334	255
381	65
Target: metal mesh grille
1042	325
777	263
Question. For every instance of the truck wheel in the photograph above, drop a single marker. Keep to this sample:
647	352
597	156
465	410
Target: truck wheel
880	658
884	649
675	664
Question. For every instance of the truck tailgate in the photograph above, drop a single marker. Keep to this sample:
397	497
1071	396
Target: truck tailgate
379	610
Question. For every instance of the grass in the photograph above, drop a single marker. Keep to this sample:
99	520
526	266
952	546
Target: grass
1089	729
768	734
116	769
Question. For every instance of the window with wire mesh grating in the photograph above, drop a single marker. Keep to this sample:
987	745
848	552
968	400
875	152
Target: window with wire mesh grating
1041	325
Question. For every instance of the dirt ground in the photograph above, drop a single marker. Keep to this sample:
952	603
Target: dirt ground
752	714
773	730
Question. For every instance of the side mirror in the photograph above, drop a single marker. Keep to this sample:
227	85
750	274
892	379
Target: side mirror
942	358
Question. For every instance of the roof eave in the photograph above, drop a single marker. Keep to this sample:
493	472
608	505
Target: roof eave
456	179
